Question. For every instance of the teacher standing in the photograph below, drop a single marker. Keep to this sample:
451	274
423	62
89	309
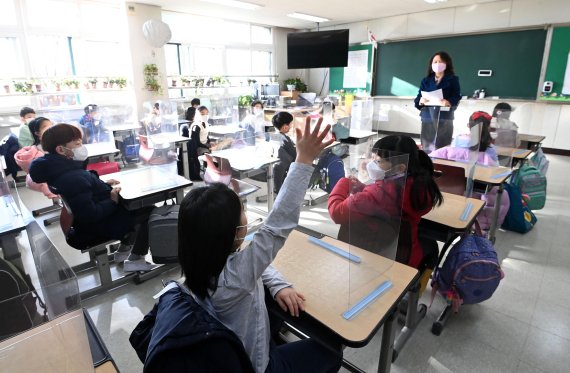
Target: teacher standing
437	123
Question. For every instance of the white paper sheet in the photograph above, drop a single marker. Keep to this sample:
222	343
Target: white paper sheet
434	97
356	71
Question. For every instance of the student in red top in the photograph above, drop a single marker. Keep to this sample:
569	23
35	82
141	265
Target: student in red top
370	214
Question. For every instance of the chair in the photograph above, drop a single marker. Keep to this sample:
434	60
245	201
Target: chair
98	255
451	179
46	210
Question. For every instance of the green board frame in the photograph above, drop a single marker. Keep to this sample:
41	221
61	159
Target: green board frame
515	57
337	73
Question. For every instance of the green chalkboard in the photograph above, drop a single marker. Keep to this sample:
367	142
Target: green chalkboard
515	58
558	58
336	78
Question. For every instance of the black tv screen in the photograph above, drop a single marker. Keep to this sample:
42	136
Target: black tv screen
317	49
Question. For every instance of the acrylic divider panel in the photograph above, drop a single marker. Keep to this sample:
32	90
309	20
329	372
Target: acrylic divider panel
370	221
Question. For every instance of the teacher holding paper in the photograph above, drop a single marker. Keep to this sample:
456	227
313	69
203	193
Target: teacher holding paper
441	95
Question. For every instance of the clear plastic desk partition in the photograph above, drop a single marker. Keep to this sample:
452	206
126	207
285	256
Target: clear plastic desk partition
370	227
362	114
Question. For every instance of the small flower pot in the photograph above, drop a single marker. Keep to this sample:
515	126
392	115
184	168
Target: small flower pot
7	88
58	87
38	87
105	84
111	85
94	85
174	83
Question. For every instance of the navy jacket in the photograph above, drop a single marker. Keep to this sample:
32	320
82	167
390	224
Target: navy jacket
178	335
449	84
8	148
89	198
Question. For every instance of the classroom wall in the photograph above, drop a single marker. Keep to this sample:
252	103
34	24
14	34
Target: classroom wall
495	16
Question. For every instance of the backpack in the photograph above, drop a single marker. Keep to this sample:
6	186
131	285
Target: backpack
329	170
540	161
532	183
470	274
130	149
18	300
519	217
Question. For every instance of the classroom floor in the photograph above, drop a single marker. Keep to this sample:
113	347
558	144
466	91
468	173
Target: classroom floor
524	327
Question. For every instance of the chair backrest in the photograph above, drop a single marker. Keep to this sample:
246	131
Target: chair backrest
65	218
452	179
506	138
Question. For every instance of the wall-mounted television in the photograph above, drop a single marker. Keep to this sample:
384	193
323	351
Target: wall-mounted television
317	49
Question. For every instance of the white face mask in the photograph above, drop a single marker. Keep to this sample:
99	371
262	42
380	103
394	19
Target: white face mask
438	67
374	171
28	121
80	153
257	111
205	118
97	117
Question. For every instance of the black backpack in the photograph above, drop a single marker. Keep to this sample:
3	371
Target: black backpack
329	170
18	302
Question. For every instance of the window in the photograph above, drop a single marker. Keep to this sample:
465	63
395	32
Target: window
238	62
237	33
52	14
261	62
171	55
99	58
49	56
261	35
11	64
207	60
8	13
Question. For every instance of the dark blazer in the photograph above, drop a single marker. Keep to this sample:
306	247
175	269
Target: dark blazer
178	335
449	84
286	154
88	196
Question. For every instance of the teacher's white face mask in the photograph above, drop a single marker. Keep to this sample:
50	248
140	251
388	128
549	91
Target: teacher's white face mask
438	67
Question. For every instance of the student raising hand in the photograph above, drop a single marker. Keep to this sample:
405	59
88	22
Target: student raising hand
310	144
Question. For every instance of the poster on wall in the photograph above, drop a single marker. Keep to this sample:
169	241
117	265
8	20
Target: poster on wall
356	71
566	86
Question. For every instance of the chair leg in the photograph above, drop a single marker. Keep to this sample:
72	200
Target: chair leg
46	210
102	258
50	221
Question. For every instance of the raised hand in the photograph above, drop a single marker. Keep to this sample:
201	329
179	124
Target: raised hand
310	144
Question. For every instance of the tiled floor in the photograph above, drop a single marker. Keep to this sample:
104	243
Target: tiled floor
524	327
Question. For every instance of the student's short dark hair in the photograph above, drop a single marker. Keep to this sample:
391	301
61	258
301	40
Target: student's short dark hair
25	111
90	108
156	106
60	134
257	102
207	223
34	127
202	108
280	119
503	106
195	101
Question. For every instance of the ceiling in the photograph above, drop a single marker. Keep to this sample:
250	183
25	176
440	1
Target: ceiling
274	13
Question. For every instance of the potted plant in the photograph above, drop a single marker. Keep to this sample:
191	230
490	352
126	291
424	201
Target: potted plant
93	82
299	85
111	83
185	81
7	87
244	103
121	82
38	85
150	69
105	82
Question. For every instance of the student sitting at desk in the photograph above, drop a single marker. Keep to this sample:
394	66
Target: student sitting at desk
93	202
25	137
352	204
254	123
462	145
199	142
228	283
503	129
487	156
27	154
92	125
287	152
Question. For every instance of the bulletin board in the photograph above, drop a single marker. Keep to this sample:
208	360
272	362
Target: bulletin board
357	76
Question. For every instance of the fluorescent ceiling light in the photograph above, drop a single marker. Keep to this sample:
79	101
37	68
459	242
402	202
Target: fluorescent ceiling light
235	4
435	1
307	17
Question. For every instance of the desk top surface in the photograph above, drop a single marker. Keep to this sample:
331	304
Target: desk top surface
245	159
531	138
122	126
453	207
161	138
100	149
145	181
333	284
513	152
11	216
484	174
225	129
360	134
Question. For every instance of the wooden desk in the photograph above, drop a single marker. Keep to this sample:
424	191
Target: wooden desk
490	176
448	213
146	186
102	149
328	281
225	130
532	141
358	136
515	153
246	163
